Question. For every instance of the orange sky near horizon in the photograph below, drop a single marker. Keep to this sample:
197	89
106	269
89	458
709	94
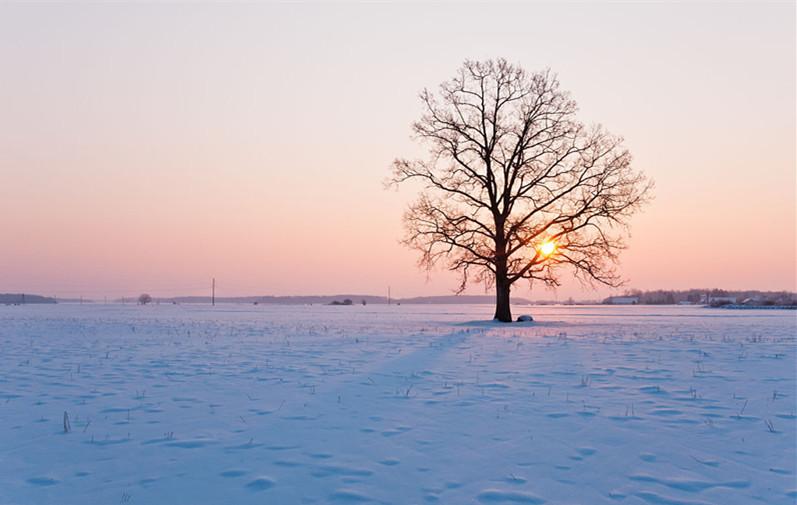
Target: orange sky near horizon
151	147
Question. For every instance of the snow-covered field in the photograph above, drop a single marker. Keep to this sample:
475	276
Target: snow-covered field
400	404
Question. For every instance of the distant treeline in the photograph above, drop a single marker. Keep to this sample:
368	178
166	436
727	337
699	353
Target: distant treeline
671	297
23	298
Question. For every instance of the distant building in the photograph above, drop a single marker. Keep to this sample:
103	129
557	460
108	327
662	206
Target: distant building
717	300
622	300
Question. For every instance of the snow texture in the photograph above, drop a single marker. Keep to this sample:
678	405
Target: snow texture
396	404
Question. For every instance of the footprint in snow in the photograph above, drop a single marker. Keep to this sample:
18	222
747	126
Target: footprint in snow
260	484
349	496
43	481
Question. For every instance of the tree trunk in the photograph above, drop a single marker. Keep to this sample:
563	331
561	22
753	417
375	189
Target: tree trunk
503	312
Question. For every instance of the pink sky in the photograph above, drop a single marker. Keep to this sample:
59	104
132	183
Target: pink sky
150	147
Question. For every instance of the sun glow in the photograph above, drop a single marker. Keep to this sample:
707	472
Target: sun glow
547	248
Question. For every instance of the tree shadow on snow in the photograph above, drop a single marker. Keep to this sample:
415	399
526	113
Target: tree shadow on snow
491	323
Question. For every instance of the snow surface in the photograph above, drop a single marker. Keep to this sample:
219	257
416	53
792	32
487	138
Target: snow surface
396	404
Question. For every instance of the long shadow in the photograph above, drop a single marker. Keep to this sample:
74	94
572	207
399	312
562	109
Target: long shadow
491	324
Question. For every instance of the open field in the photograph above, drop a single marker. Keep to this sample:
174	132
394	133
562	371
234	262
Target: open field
396	404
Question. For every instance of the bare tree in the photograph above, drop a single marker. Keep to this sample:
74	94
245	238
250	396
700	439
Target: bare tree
144	299
515	186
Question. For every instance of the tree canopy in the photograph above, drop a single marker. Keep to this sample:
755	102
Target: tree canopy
515	185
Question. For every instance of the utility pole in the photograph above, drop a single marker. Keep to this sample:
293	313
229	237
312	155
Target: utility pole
213	292
388	295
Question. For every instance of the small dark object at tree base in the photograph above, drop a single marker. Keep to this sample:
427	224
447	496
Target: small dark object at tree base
525	319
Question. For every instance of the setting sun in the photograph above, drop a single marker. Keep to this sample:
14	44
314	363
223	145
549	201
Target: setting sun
547	248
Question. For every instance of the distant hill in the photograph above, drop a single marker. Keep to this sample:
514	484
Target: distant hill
326	300
458	300
277	300
23	298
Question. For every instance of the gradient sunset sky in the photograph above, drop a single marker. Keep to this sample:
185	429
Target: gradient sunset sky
151	147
